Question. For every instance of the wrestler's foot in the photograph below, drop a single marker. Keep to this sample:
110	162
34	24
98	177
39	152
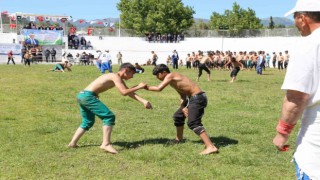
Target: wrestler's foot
109	148
209	150
72	145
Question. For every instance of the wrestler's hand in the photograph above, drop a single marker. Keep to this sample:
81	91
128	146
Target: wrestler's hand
280	141
147	105
185	111
142	85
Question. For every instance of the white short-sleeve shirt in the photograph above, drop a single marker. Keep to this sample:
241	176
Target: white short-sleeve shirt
303	75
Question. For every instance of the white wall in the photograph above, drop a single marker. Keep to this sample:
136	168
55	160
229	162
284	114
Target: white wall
139	50
136	49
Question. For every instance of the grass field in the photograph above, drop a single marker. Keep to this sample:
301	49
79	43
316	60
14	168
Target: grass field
39	114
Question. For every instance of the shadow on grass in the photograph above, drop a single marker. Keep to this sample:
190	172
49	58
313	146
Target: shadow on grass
228	80
137	144
89	145
221	141
267	74
242	80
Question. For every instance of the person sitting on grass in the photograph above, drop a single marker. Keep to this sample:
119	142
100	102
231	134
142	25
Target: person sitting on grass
193	102
91	106
236	68
139	69
60	67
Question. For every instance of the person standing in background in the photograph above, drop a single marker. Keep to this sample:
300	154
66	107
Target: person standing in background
175	59
10	57
47	54
119	57
274	59
286	59
53	53
154	58
268	57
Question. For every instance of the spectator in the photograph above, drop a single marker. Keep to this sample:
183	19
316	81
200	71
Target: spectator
89	45
10	58
39	54
27	58
148	62
86	58
154	58
91	58
119	57
139	69
47	54
106	61
100	36
175	58
34	55
53	53
83	42
23	52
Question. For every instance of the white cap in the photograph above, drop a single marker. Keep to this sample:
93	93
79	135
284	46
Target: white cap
305	6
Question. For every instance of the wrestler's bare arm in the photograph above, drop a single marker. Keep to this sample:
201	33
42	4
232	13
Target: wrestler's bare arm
136	97
167	80
122	87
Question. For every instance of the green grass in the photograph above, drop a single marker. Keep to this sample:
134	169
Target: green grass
39	114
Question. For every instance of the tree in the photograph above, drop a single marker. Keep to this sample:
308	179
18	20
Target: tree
271	23
236	19
165	16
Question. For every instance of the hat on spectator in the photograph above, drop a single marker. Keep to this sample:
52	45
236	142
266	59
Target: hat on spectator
305	6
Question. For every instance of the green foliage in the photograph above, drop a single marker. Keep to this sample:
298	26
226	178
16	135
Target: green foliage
39	114
237	19
271	23
280	26
155	16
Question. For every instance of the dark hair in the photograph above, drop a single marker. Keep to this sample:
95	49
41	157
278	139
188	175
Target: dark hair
160	68
313	15
127	65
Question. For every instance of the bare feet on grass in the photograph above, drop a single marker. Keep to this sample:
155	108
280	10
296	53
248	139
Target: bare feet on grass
209	150
72	145
109	148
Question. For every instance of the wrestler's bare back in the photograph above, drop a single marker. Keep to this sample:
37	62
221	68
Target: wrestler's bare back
205	59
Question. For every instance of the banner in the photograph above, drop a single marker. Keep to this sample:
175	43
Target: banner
6	47
90	31
42	37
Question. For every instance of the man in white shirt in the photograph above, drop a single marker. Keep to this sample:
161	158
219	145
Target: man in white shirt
302	85
105	59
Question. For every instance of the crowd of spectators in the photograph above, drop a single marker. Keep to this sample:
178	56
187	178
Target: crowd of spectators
164	38
219	59
36	54
32	25
76	42
82	59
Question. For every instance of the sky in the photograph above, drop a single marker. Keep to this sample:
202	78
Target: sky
100	9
